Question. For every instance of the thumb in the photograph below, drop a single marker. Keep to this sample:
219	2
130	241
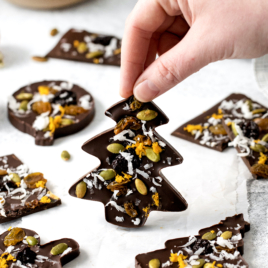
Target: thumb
191	54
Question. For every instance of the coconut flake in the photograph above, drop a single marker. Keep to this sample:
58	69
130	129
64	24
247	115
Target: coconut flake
114	204
41	121
121	136
66	251
153	189
129	159
166	264
85	102
142	173
136	221
119	219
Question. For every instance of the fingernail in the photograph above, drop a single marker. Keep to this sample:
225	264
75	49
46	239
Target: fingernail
146	91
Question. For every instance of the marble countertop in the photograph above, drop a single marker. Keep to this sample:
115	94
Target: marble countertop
215	184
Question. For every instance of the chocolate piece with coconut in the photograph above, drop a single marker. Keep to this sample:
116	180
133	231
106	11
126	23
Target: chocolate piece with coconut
22	192
128	180
218	246
50	109
20	247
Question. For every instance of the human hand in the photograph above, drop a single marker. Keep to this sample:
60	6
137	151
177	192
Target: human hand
219	29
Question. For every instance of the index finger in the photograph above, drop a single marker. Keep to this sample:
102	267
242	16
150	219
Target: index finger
144	20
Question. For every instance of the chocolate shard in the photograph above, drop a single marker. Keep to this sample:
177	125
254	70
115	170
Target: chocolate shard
134	184
80	45
247	129
222	251
49	110
19	196
37	255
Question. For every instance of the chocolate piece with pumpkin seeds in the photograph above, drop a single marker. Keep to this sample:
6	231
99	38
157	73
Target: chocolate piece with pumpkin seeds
129	181
84	46
20	247
21	192
223	250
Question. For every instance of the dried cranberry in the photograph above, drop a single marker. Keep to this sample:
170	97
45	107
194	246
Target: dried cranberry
201	243
120	164
26	256
250	129
103	40
65	97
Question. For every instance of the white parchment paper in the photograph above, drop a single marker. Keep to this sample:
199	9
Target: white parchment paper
213	183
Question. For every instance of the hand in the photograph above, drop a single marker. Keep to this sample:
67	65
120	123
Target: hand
219	29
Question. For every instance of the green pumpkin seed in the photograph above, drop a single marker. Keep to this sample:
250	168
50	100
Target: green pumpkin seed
154	263
209	265
258	148
58	249
24	96
152	155
66	121
32	241
265	138
24	105
95	54
65	155
15	177
141	187
147	115
209	236
82	47
249	104
115	148
234	129
258	111
227	235
108	174
200	265
81	189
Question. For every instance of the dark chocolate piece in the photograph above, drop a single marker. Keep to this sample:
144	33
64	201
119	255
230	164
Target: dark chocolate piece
249	141
161	195
206	120
16	198
60	95
38	255
79	45
222	252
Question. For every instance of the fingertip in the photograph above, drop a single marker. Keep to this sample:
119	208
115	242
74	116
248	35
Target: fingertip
146	91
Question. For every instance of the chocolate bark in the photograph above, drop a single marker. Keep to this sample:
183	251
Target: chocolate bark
140	167
243	118
80	45
26	121
18	200
42	256
210	251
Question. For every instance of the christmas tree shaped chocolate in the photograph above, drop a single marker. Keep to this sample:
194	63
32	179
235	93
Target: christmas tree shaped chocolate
218	246
128	180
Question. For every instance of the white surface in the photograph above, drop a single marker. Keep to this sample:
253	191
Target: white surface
213	183
261	73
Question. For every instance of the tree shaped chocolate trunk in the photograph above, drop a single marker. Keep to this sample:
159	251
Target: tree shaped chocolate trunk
128	180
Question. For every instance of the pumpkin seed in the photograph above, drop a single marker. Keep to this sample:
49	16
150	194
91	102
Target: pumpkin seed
227	235
265	138
53	196
154	263
141	187
209	236
209	265
54	32
258	111
82	47
200	265
58	249
147	115
234	129
66	121
94	54
258	148
65	155
115	148
3	172
152	155
108	174
81	189
40	59
24	105
32	241
15	177
24	96
249	104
